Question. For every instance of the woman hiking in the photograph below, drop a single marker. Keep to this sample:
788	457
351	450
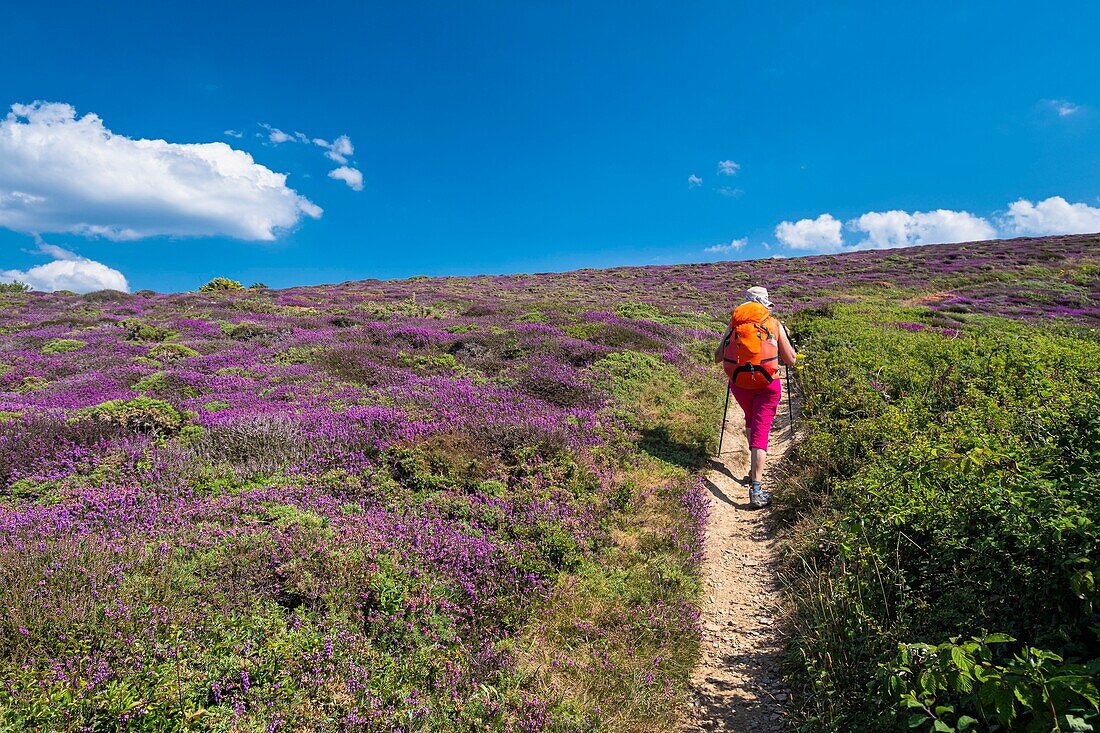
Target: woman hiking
750	352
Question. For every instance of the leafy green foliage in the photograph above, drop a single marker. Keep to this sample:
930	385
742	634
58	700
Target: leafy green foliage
31	383
138	330
141	414
14	287
171	352
955	481
220	284
1030	690
247	331
61	346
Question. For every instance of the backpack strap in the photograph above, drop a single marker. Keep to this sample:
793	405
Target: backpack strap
751	369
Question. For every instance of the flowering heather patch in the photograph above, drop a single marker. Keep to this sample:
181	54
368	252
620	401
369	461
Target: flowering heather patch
425	504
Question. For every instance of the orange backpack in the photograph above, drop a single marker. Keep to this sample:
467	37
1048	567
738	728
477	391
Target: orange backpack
751	356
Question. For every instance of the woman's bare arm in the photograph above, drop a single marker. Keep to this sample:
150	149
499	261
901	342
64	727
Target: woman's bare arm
786	351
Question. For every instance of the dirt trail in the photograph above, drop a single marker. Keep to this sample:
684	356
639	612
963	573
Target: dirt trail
737	686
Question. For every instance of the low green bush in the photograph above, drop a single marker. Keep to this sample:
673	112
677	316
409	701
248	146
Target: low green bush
219	284
171	352
934	684
138	330
31	383
247	331
141	414
952	483
61	346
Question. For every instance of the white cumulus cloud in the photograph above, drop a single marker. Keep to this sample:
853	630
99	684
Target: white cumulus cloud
339	149
63	173
1053	215
822	233
694	180
350	176
886	229
728	167
68	271
733	246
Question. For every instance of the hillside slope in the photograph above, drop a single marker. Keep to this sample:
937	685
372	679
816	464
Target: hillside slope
474	503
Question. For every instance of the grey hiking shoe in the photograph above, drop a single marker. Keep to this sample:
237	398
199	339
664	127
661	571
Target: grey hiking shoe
758	497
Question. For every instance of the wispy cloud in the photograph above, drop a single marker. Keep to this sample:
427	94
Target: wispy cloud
63	173
277	136
732	246
694	181
339	151
1062	107
729	191
728	168
233	133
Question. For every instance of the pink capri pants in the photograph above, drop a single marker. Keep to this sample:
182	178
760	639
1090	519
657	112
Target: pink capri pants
759	406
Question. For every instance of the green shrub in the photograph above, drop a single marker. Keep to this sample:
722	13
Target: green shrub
533	316
247	331
953	485
165	384
32	383
138	330
190	434
140	414
14	287
219	284
170	352
298	355
287	515
61	346
151	382
943	688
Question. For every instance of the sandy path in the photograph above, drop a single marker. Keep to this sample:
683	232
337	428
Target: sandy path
737	686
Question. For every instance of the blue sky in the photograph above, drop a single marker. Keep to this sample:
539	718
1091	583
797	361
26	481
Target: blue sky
534	136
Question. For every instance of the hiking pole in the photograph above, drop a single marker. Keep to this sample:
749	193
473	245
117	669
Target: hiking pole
722	435
790	397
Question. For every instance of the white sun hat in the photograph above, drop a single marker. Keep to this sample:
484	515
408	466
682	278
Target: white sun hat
759	295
